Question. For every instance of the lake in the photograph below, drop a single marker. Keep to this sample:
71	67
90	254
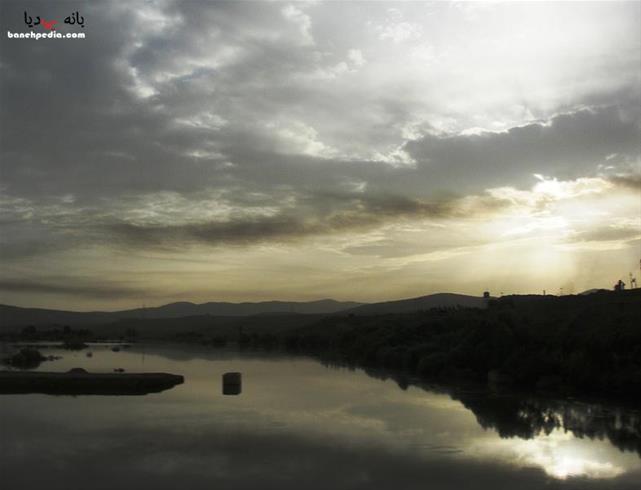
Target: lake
300	424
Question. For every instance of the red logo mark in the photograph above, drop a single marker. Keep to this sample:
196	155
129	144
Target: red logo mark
48	24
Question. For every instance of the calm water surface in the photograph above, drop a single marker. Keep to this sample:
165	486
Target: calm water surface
299	424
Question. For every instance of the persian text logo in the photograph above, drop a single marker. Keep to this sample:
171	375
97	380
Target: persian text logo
74	19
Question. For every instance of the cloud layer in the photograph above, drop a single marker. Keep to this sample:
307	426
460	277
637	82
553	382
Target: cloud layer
182	128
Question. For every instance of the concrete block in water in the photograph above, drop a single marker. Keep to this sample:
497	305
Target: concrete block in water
232	383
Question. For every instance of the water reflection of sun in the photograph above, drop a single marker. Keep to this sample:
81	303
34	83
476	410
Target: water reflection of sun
559	454
566	466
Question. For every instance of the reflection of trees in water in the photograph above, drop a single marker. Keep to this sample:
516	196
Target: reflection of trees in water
527	417
510	417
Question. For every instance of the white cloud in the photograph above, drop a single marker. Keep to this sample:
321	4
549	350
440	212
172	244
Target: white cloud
302	21
301	138
400	32
356	57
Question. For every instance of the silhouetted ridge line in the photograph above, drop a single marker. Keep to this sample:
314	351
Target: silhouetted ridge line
438	300
14	316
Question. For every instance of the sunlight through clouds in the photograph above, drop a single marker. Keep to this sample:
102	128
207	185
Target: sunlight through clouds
406	147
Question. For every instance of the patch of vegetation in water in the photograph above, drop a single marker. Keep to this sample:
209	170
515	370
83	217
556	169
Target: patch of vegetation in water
25	358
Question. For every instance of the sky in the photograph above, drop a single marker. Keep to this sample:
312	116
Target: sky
249	151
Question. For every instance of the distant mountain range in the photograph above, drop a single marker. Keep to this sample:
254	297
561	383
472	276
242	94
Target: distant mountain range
182	309
17	316
14	316
421	303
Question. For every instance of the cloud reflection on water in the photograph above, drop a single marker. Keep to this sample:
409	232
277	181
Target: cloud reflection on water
296	421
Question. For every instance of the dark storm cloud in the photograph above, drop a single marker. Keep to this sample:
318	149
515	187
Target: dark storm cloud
568	146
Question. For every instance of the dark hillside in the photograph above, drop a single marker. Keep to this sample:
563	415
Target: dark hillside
586	343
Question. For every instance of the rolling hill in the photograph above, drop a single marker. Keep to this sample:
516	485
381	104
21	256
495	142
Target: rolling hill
419	303
14	316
